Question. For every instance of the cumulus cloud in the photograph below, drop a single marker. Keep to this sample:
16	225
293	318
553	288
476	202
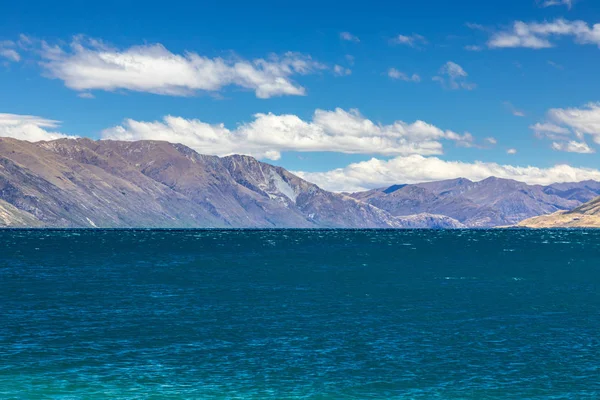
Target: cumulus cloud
491	140
562	124
376	173
267	135
395	74
413	40
511	151
453	76
8	51
536	35
29	127
347	36
88	64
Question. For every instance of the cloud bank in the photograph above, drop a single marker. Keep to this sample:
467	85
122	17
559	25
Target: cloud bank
376	173
267	135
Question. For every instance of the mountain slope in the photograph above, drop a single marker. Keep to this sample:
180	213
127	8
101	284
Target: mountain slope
86	183
585	216
10	216
487	203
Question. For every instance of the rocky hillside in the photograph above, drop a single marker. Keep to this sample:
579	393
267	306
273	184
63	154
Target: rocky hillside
585	216
487	203
86	183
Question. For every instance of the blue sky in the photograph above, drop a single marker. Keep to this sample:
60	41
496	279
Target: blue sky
478	82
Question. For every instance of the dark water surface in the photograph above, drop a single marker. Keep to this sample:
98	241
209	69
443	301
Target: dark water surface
300	314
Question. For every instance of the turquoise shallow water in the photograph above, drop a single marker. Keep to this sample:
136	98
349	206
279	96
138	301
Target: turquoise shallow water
300	314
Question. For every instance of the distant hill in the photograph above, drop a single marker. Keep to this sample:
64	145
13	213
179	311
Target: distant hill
585	216
487	203
113	184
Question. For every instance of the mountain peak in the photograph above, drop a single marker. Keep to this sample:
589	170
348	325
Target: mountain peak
495	179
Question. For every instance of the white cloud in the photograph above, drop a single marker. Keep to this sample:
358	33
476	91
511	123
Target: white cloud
564	123
395	74
585	120
546	127
29	127
491	140
413	40
475	27
7	51
513	110
453	76
338	70
473	48
347	36
550	3
511	151
89	64
415	168
269	134
537	35
573	146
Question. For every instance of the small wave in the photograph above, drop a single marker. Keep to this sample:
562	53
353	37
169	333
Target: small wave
461	278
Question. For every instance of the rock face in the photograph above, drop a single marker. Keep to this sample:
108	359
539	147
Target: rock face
585	216
487	203
86	183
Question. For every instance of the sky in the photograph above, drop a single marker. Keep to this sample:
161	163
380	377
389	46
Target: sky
351	95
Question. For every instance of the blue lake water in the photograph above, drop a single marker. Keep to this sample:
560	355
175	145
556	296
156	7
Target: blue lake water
506	314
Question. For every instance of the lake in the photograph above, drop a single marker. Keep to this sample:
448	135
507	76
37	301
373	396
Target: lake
307	314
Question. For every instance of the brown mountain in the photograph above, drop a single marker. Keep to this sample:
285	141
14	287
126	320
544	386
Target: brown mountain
585	216
86	183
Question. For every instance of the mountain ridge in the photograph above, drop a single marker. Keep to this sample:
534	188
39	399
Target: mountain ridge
106	183
87	183
487	203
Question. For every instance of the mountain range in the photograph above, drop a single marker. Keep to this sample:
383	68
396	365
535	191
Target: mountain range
117	184
483	204
114	184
